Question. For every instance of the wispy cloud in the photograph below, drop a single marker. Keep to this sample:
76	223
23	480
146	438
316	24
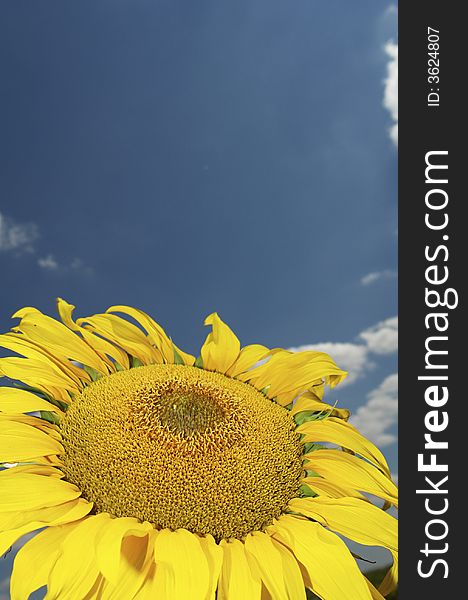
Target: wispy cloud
390	100
48	263
356	358
21	238
383	337
380	412
375	276
17	237
78	265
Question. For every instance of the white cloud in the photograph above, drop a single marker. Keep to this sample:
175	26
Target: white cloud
378	275
383	337
17	237
380	412
48	263
390	100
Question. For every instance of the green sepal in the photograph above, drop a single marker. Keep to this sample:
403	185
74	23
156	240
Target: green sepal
95	375
178	360
135	362
308	415
306	492
310	447
118	366
198	362
50	417
310	473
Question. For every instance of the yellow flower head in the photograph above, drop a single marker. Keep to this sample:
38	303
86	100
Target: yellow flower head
153	474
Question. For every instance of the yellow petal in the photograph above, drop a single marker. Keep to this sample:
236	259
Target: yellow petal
99	589
237	581
309	402
19	343
20	442
26	491
288	374
66	513
316	392
376	595
40	552
51	460
59	364
46	470
75	571
123	334
269	563
155	333
350	471
109	545
135	560
332	571
329	489
61	513
247	359
343	434
390	580
181	566
214	557
14	400
58	340
35	374
51	430
221	347
360	521
293	579
101	346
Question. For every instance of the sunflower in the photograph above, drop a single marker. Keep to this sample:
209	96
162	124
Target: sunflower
152	474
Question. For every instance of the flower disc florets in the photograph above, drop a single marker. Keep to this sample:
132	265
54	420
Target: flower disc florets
181	447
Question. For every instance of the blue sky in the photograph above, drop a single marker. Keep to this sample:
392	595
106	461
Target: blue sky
190	157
